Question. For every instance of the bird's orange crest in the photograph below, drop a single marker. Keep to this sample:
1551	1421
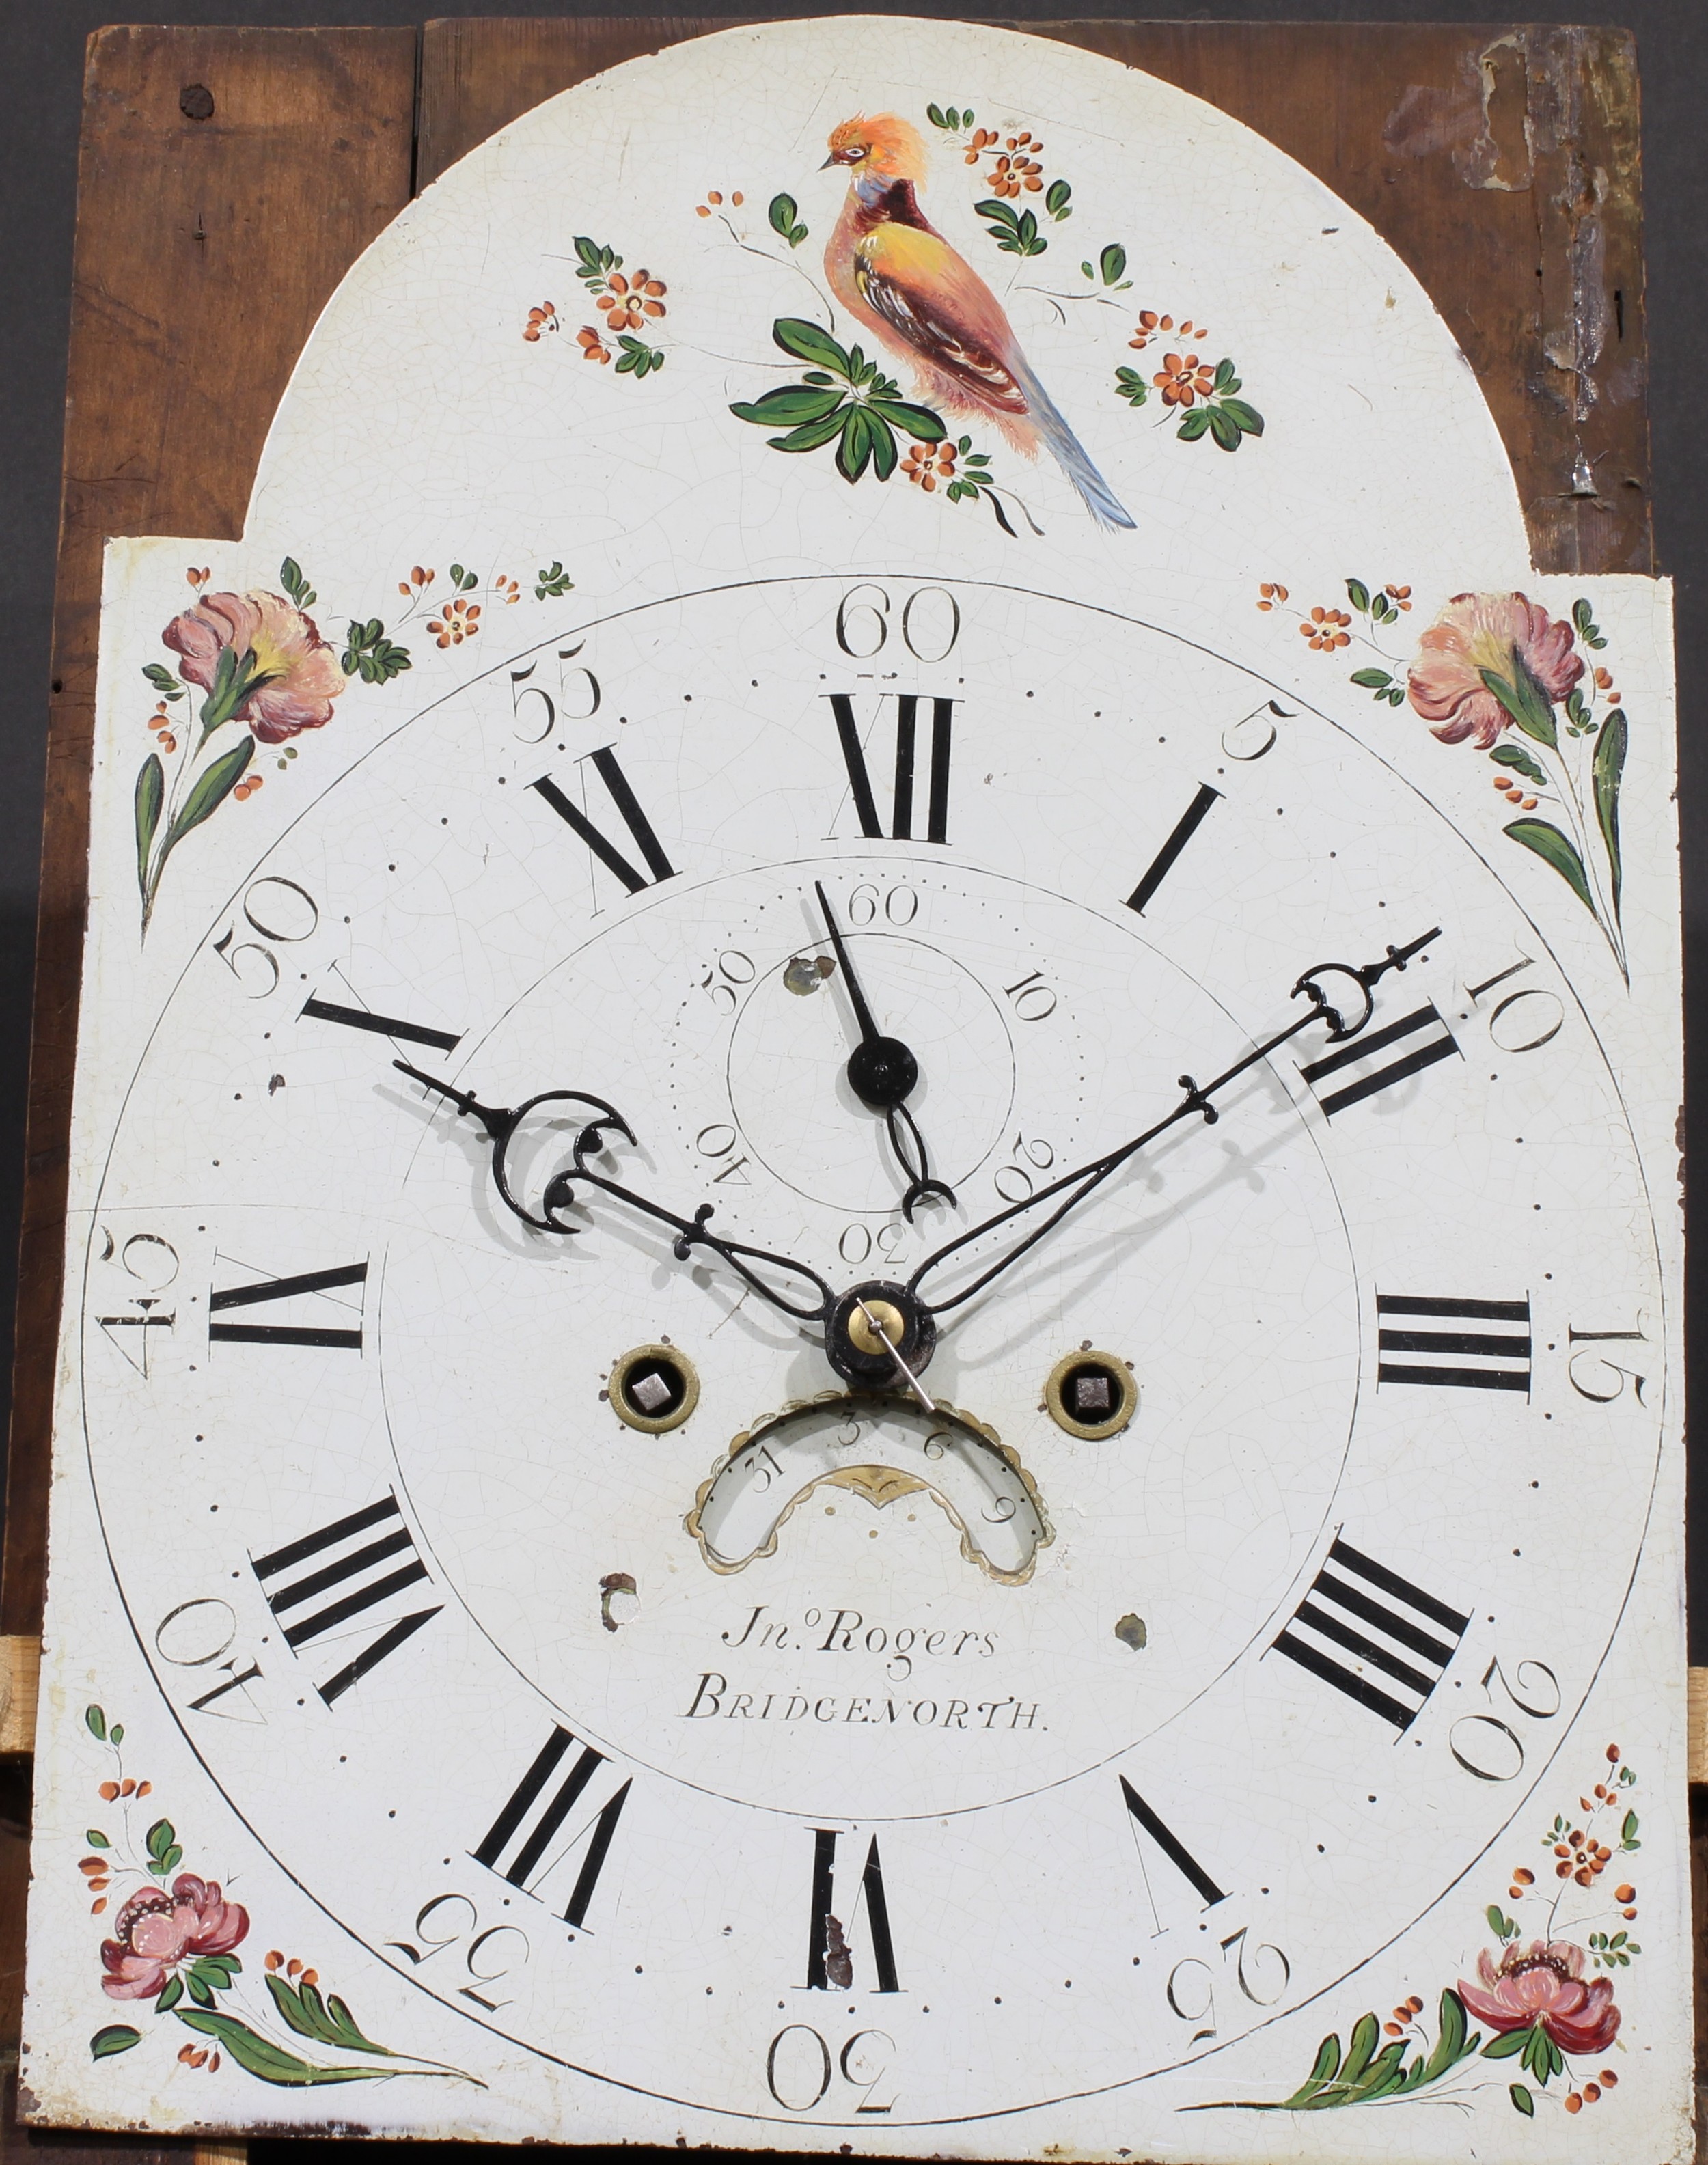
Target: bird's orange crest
885	145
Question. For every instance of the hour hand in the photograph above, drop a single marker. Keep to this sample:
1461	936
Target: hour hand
501	1123
883	1074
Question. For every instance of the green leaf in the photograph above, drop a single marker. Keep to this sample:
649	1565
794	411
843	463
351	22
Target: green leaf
96	1839
789	406
1057	202
997	211
1371	680
1627	1832
1224	428
161	679
1452	2043
200	1990
783	214
883	451
807	342
116	1734
170	1992
1607	768
151	795
854	452
260	2057
116	2037
1359	594
1521	762
1246	418
1497	1923
1195	424
811	434
1522	2098
217	1970
934	113
1583	617
918	420
294	584
1360	2047
1508	2043
1525	701
160	1837
96	1722
328	2022
213	786
1551	846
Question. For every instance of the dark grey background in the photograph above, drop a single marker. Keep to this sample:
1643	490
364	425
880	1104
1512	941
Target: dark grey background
43	51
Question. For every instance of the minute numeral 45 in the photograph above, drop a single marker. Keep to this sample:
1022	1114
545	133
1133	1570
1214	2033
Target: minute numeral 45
317	1602
1433	1041
1415	1349
907	750
605	765
262	1291
527	1828
1416	1635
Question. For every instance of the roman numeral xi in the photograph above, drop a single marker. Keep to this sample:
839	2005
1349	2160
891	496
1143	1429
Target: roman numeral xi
1393	1630
603	763
368	1556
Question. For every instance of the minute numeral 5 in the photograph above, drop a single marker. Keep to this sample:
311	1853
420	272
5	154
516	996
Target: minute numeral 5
1409	1619
907	712
604	764
345	1577
1413	1353
531	1821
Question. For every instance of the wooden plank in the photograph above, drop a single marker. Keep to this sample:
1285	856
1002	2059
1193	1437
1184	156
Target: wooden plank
20	1680
205	248
1502	163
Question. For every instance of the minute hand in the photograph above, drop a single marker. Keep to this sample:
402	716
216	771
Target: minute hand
1072	1188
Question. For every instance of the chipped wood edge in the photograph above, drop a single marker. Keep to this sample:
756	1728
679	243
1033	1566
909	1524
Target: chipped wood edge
219	2153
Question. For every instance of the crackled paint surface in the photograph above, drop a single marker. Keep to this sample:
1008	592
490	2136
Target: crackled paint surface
614	1551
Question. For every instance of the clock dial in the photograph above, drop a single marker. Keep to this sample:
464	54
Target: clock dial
941	1495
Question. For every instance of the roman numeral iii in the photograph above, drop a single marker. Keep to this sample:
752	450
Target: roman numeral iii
224	1299
605	765
525	1831
1390	1626
1434	1041
359	1574
907	729
1484	1359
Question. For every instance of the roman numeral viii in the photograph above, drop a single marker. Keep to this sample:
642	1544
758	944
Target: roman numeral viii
226	1298
605	765
1434	1041
1393	1628
527	1829
907	730
370	1555
1481	1359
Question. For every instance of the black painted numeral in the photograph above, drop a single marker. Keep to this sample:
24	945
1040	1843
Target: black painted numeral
830	1950
287	1334
1438	1043
529	1823
362	1575
1474	1360
392	1026
906	726
605	765
1163	862
1183	1862
1408	1619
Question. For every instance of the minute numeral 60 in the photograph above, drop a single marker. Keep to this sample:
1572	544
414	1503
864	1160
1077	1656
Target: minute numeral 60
930	622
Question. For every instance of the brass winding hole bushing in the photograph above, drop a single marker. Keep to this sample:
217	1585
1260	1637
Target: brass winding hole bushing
1092	1395
653	1389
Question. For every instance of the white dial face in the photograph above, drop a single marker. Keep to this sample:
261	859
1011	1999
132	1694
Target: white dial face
1157	1622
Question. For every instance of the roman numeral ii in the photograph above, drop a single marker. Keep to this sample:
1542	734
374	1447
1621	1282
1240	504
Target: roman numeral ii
1415	1636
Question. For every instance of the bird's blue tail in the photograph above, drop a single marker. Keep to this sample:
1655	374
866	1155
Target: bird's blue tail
1101	501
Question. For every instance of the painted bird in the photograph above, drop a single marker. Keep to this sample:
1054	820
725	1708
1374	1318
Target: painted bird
890	268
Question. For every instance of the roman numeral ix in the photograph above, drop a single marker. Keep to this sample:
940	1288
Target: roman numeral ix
529	1824
224	1299
907	713
1474	1360
358	1576
605	765
1408	1636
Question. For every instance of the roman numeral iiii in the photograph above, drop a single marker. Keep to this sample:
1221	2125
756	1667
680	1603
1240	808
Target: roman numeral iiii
1390	1626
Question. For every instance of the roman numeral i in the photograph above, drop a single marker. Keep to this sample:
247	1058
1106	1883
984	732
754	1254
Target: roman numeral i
1393	1628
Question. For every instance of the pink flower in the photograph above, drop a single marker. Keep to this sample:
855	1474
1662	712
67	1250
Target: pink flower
1544	1984
1496	633
156	1931
286	676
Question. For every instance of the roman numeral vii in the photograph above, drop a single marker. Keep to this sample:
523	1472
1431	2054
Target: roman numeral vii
522	1845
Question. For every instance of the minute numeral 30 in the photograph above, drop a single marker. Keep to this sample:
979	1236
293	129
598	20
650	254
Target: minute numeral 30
1415	1348
1417	1636
346	1579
